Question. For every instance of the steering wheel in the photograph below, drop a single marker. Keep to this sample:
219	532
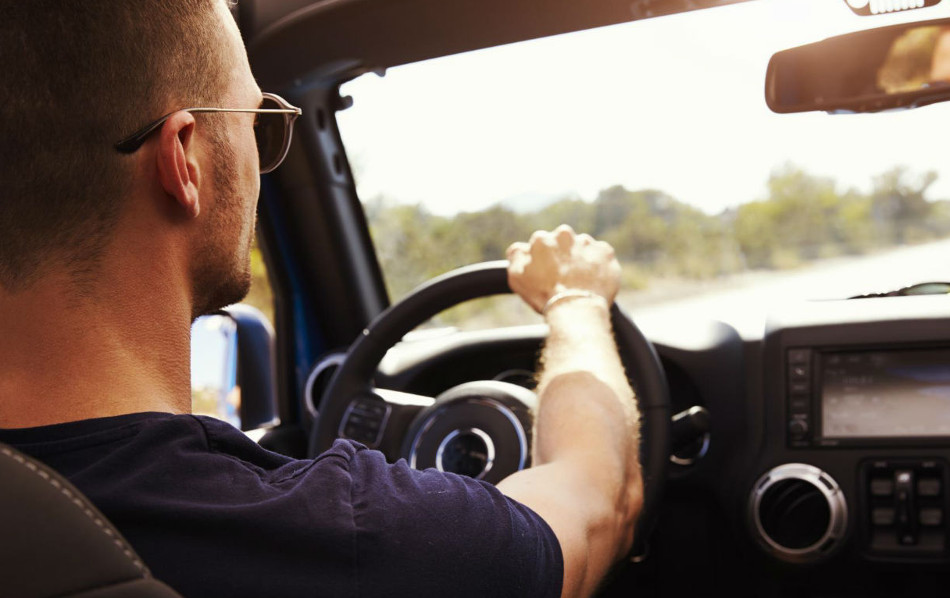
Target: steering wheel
482	429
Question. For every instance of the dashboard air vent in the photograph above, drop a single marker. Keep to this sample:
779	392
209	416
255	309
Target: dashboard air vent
798	512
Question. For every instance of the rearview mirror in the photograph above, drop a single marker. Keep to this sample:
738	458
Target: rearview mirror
903	66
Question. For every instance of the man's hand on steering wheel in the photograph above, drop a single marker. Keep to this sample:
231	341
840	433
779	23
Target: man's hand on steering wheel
586	480
560	262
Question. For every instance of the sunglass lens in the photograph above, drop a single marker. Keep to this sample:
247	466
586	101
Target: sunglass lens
270	130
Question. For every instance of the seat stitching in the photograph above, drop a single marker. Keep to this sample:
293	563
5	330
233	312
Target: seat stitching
79	502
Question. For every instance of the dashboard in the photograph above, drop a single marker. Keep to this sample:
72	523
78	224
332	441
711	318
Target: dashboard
853	467
826	462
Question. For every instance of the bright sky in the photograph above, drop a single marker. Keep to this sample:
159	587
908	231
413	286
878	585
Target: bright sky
675	103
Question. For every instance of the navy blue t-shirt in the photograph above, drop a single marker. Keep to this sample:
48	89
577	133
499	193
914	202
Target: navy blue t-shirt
214	514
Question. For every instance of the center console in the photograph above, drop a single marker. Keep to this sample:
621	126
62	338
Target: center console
856	452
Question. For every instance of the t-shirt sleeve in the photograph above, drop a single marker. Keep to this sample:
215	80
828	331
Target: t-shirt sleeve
429	533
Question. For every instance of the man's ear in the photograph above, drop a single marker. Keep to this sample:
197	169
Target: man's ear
177	164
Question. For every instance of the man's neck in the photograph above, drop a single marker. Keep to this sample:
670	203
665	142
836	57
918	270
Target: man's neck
66	357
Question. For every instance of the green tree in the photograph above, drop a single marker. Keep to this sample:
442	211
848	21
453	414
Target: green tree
486	235
803	217
577	213
899	205
796	222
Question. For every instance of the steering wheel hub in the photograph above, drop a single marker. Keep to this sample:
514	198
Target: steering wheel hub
468	452
479	429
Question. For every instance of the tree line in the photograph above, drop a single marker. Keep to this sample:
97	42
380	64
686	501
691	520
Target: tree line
802	218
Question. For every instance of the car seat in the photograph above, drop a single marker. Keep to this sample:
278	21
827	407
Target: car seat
54	542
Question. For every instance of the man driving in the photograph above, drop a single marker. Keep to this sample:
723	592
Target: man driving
134	137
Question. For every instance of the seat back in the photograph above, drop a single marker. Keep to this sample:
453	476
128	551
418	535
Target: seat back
54	542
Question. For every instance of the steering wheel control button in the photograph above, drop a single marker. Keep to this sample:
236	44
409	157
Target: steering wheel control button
365	420
798	513
905	508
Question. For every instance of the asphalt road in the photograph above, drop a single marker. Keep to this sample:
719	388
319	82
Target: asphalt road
745	300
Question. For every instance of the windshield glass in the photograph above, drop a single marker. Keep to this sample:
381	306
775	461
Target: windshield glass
654	136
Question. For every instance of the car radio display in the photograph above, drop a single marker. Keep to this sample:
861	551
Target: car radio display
879	394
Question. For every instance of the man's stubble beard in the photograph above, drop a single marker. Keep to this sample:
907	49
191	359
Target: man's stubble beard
222	273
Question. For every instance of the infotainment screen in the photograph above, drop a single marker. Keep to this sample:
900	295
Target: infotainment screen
895	393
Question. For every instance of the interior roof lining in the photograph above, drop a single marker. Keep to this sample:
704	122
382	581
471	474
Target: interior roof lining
287	39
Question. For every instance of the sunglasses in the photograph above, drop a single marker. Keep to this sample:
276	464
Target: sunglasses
273	129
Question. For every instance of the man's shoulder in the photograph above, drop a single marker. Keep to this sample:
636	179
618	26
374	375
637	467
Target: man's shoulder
450	531
395	529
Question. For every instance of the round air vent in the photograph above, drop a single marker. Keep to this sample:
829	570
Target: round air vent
798	512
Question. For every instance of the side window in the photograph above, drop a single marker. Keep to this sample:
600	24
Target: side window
214	389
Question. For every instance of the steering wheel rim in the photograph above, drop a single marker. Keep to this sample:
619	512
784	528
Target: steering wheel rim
354	376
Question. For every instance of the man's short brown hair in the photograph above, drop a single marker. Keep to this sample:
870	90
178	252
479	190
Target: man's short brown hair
77	76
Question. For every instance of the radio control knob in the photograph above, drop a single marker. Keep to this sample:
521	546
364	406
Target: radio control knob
798	427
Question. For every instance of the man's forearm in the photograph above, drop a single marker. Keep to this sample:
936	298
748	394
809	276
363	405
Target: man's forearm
586	407
585	479
581	339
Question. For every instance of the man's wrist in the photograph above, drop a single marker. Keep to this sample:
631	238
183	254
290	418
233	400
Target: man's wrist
571	295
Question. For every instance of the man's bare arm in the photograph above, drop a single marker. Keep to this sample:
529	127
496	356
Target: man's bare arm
586	480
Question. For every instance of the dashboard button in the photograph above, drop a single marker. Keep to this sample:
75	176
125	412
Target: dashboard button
905	507
931	517
882	487
799	405
882	516
798	387
799	355
932	540
928	487
798	427
798	372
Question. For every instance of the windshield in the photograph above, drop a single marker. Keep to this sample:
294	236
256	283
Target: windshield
654	136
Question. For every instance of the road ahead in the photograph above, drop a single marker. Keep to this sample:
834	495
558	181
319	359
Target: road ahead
745	300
